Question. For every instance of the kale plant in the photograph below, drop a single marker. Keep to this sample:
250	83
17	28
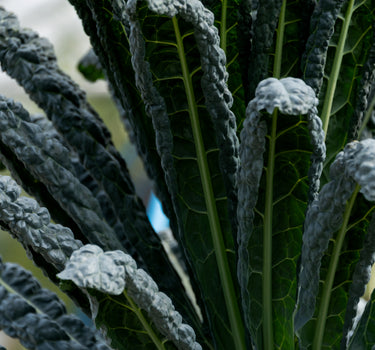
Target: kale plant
255	122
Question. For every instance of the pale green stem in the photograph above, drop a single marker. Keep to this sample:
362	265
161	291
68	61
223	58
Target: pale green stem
333	78
223	25
267	241
279	42
147	327
268	342
230	297
328	283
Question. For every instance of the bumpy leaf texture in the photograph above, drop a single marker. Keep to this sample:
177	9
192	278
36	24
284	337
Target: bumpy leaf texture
48	161
31	225
110	42
336	52
361	276
115	217
322	24
233	20
111	272
48	245
185	130
37	317
365	95
325	216
292	97
264	26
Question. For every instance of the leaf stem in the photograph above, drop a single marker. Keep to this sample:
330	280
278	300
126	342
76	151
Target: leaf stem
279	42
230	297
150	332
223	25
328	283
267	241
333	78
268	342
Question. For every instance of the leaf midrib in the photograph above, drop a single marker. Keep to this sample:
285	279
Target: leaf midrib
212	213
268	336
328	282
146	325
333	78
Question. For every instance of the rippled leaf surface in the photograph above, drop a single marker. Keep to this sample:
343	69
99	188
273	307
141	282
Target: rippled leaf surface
282	208
161	47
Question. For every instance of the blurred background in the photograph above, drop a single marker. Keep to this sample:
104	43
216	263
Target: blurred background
57	21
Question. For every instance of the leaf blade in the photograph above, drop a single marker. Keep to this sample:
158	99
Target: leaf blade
37	316
196	160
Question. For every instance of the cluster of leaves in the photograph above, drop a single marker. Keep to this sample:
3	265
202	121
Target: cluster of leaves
268	190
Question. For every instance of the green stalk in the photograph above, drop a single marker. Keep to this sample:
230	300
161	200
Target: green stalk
332	82
279	42
230	297
267	241
328	283
268	342
223	26
150	332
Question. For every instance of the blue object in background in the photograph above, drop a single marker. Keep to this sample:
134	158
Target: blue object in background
155	214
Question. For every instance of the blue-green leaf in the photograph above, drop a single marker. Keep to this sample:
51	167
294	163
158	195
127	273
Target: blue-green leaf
336	52
264	26
331	212
114	273
37	317
121	217
90	267
322	24
47	160
31	225
361	277
190	136
292	97
365	99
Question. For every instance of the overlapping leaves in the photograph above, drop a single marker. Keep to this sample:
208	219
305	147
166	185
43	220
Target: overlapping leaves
174	92
279	37
181	113
115	273
334	67
37	317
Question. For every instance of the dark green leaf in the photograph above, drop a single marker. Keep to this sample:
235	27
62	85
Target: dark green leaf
37	317
364	101
293	98
48	162
336	52
361	277
65	104
233	21
322	23
180	111
338	259
244	37
31	225
110	42
280	30
264	27
116	273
